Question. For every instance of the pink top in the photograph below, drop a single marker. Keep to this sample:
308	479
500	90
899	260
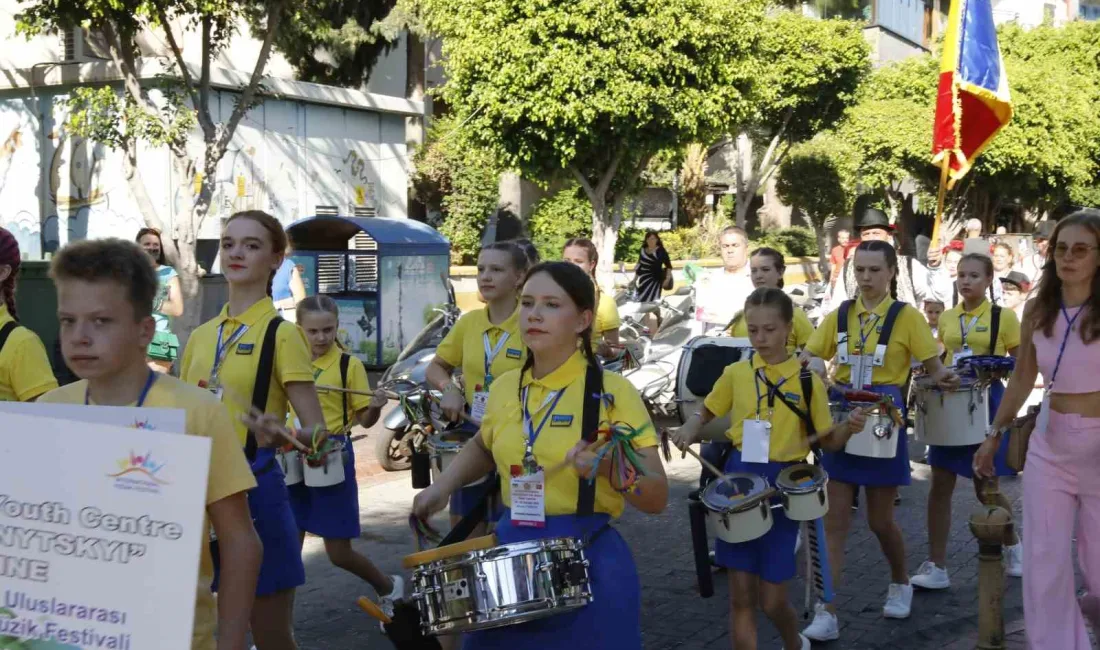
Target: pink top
1077	373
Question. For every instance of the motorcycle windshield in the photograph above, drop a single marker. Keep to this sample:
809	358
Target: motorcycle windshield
431	336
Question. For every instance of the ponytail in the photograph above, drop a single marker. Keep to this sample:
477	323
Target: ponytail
9	256
8	291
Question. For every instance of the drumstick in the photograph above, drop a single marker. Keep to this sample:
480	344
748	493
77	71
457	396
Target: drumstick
368	606
241	405
567	462
706	463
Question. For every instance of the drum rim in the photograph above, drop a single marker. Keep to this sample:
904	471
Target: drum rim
820	477
428	556
759	487
436	442
966	385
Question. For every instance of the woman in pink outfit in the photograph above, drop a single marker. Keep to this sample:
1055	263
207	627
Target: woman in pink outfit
1059	338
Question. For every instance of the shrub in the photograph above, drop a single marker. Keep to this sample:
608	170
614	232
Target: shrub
796	241
558	218
629	244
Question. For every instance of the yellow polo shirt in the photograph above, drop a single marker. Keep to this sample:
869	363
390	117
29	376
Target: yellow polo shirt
464	347
911	339
800	331
607	316
25	371
326	372
734	393
229	473
502	430
950	330
238	370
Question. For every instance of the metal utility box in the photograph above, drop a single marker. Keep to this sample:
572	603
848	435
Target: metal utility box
386	275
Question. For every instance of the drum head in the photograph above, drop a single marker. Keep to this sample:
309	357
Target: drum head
801	479
734	492
451	550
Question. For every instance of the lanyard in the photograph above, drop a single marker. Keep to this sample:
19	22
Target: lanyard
864	332
772	391
965	329
149	381
491	354
223	349
532	433
1065	338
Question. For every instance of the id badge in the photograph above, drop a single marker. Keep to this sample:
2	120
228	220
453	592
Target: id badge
529	500
965	353
1043	419
756	437
862	368
477	409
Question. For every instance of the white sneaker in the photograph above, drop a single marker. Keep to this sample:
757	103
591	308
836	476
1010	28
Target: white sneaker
930	576
899	601
1014	560
824	627
386	603
805	641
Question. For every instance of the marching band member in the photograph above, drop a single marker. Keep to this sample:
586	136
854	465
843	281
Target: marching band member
605	331
766	267
767	438
105	293
24	366
332	512
1061	487
485	343
533	433
975	326
878	338
247	350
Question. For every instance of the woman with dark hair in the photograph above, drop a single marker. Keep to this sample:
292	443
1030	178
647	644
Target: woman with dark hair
164	350
652	269
582	252
766	268
1058	338
873	339
534	421
24	366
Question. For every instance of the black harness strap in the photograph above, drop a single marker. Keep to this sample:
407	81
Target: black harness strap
590	423
264	370
345	361
5	332
994	329
887	326
805	377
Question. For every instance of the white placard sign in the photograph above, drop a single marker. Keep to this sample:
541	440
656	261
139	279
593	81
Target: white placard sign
130	417
100	533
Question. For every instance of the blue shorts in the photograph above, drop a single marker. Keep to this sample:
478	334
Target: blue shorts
330	512
771	556
960	460
273	519
614	617
873	472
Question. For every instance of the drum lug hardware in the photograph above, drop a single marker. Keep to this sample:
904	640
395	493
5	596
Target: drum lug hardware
882	431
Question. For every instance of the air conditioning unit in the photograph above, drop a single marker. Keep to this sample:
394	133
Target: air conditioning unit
78	45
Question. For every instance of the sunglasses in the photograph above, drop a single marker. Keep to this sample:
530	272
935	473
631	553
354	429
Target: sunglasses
1076	252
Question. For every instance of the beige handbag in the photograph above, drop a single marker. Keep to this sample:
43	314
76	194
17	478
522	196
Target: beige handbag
1019	435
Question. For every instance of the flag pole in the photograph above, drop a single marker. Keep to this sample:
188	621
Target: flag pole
945	169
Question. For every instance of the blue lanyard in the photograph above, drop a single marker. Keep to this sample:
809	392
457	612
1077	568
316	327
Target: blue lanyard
772	391
864	335
531	433
1065	338
491	353
223	348
141	398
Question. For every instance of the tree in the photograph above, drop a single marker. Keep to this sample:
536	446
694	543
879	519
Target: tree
808	73
693	184
593	89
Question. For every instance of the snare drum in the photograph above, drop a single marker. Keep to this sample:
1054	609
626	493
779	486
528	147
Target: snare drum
330	471
802	489
954	418
702	363
737	507
478	584
291	463
878	439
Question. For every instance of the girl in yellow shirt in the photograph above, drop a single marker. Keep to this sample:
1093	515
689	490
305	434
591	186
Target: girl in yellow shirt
766	267
25	371
533	435
242	352
767	438
605	330
484	344
332	512
966	330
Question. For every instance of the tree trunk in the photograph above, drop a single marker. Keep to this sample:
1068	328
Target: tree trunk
605	232
818	226
185	239
743	172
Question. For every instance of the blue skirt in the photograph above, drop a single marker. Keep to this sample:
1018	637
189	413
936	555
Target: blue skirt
960	460
269	503
873	472
614	617
330	512
770	556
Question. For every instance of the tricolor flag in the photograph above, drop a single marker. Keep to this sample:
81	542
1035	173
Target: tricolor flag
973	103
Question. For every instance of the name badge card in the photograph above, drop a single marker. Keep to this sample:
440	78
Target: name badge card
756	437
529	500
477	409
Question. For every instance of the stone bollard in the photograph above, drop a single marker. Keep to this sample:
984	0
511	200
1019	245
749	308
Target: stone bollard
990	526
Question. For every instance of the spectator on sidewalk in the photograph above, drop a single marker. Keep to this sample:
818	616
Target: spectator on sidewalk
654	269
168	303
1015	287
1032	265
721	293
287	288
913	278
838	255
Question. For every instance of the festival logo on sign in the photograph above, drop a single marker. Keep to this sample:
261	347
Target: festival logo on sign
139	473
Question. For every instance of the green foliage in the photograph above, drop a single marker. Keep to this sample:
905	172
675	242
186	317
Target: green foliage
817	177
101	114
462	179
796	241
558	218
628	246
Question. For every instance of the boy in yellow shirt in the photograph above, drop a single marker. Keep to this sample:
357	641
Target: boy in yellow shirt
105	291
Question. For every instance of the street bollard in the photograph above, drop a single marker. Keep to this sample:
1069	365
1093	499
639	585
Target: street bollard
990	526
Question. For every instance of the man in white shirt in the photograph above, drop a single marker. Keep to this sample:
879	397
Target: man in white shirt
721	293
1032	265
913	277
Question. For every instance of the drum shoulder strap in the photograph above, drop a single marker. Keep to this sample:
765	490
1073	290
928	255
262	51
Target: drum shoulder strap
264	370
5	332
345	362
590	422
842	318
807	381
994	328
891	318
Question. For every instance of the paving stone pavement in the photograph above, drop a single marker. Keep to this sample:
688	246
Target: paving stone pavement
674	616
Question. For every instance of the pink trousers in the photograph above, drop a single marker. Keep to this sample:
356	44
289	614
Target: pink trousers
1061	495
